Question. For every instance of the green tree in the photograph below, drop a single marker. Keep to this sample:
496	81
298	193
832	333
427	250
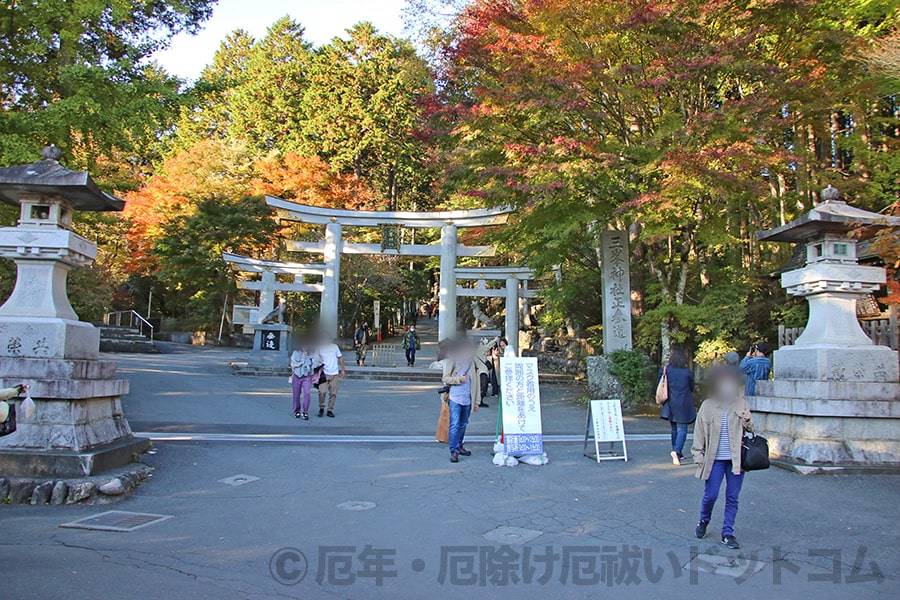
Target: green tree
364	112
76	74
252	92
691	124
190	254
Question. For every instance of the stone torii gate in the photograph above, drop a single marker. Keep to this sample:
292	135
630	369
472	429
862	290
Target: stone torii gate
516	287
268	283
333	246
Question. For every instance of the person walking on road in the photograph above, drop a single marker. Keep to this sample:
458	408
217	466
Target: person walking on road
679	409
721	423
334	370
305	366
411	344
361	343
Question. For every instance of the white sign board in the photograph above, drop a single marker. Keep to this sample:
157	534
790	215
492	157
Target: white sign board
377	321
521	396
606	417
245	315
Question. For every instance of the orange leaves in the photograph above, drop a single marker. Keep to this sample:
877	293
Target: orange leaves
226	172
310	180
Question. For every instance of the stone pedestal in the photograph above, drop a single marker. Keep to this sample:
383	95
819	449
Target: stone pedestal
271	346
78	427
832	405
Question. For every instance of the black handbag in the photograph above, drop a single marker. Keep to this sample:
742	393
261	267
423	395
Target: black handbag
322	378
754	453
9	425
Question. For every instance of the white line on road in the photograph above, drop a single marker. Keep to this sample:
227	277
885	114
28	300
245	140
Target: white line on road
357	439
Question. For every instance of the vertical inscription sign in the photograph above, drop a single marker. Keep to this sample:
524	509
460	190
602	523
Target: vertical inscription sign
616	291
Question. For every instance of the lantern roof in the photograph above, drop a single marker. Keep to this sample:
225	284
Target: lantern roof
48	177
831	216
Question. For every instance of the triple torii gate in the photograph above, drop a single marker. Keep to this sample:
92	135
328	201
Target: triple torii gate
268	283
333	246
512	292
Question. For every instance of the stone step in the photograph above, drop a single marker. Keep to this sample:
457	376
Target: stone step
125	340
119	332
140	345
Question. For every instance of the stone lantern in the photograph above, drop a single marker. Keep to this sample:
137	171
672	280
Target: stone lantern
835	398
78	428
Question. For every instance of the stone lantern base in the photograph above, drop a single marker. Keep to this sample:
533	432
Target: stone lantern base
831	406
78	427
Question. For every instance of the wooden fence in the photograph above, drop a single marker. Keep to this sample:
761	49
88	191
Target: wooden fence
884	332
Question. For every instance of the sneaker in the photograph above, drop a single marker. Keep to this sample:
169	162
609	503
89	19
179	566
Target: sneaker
305	417
700	531
483	405
297	414
731	542
464	452
331	414
675	459
321	412
454	457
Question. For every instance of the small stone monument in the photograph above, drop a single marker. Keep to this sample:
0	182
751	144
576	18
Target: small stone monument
78	427
835	399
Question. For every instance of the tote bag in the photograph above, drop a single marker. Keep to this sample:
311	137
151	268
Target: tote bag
662	388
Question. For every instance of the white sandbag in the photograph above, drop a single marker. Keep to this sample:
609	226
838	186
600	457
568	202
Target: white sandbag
536	460
498	448
505	460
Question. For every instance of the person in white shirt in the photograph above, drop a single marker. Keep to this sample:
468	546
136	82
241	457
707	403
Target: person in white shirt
505	349
334	371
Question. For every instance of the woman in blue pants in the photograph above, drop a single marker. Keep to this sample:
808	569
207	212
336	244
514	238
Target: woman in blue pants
721	424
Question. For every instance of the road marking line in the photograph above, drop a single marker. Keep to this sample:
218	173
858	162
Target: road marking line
358	439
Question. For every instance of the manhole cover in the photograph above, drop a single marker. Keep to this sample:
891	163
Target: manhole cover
116	520
729	566
240	479
356	505
512	535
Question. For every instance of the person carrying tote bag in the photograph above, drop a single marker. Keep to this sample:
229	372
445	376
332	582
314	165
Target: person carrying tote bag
721	422
678	407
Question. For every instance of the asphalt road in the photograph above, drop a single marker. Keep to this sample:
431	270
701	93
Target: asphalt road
398	520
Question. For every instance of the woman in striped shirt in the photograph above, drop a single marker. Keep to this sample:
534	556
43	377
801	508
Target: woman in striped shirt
720	425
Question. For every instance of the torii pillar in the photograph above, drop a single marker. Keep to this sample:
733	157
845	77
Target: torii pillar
334	242
447	291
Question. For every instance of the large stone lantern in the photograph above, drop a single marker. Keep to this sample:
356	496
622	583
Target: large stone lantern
835	398
78	427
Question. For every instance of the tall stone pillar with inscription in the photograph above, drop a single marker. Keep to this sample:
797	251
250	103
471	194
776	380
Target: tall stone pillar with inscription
78	427
616	280
835	399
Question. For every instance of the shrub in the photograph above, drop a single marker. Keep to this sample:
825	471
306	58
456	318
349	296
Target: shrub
635	373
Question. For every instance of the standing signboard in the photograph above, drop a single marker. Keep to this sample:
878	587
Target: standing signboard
521	395
606	418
